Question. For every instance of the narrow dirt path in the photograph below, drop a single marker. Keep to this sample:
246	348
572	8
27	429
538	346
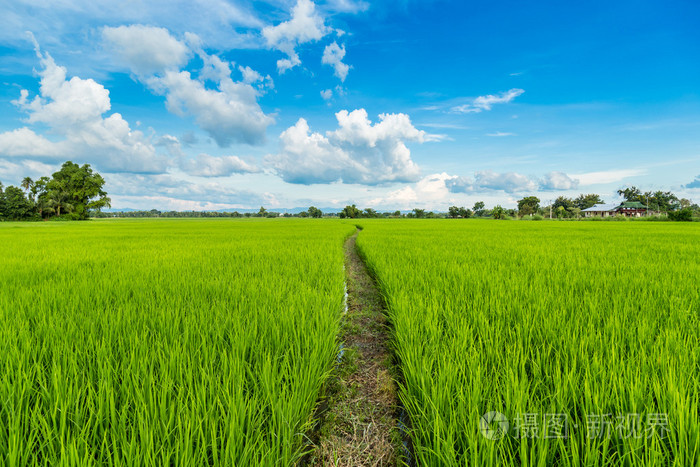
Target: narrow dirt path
358	425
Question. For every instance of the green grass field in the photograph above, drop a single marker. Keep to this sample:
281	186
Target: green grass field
207	342
585	336
165	342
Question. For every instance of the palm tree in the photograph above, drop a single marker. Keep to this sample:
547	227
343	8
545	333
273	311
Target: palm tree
57	203
58	198
28	184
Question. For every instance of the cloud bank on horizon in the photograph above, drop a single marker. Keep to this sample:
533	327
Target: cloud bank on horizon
215	104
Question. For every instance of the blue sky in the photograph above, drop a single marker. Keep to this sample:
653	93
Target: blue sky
214	104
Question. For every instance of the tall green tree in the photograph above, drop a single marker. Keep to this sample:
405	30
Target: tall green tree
498	212
351	212
16	204
528	205
455	212
663	201
479	208
588	201
371	213
28	186
76	190
315	212
40	194
563	202
58	198
631	194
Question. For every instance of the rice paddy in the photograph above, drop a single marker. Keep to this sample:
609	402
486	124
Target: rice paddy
208	342
581	340
165	342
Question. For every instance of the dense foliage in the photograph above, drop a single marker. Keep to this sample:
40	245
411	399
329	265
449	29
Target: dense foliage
74	192
594	325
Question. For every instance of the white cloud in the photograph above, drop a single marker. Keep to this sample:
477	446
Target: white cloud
223	24
73	109
347	6
169	192
558	181
24	142
327	94
333	55
13	171
357	152
305	25
606	176
210	166
145	49
482	103
428	190
230	113
509	182
500	134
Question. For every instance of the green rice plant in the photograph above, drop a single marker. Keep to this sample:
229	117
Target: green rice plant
584	336
165	342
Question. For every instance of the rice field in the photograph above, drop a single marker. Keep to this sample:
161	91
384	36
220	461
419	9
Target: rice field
207	342
166	342
526	343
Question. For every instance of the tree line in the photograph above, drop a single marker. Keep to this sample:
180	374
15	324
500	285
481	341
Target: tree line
663	203
72	193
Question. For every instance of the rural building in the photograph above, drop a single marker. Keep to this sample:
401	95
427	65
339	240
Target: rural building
628	208
632	209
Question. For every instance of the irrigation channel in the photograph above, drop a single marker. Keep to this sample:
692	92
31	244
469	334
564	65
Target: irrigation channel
359	419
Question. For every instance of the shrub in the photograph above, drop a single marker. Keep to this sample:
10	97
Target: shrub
682	215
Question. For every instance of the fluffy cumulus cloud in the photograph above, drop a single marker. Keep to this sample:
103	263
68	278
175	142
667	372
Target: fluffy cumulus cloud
229	112
558	181
429	190
333	55
305	25
205	165
25	142
74	111
358	151
146	49
487	102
